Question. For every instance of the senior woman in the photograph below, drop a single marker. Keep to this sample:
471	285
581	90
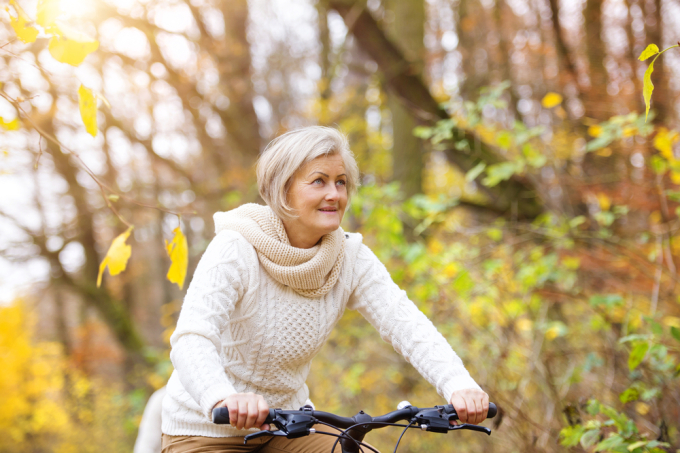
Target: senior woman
266	294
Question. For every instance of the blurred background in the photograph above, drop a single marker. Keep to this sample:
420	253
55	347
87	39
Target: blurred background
510	183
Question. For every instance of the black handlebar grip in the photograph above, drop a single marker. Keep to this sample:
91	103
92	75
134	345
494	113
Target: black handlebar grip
493	410
220	416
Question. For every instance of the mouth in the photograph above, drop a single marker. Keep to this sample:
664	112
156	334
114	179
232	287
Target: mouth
329	210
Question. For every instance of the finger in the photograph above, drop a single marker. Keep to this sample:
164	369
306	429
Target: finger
253	413
233	412
459	404
485	406
242	414
478	410
263	412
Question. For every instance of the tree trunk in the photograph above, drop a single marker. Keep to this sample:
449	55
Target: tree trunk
596	99
406	30
516	194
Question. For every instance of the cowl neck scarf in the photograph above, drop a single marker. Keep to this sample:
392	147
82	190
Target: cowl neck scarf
309	272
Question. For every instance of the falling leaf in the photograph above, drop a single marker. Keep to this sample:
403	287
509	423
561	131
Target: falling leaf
117	257
48	11
69	45
650	51
9	125
664	141
551	100
26	33
88	109
178	251
648	87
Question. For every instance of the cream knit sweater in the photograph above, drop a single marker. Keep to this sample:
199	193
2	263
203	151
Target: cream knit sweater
241	330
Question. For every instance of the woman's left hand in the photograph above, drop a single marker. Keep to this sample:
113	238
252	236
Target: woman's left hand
471	405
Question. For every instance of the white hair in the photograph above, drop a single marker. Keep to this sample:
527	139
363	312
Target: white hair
287	153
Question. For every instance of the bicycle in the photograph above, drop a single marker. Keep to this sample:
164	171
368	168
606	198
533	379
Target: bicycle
293	424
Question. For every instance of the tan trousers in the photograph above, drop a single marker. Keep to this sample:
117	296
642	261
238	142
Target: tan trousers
314	443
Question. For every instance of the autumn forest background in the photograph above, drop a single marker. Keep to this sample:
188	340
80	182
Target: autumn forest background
512	183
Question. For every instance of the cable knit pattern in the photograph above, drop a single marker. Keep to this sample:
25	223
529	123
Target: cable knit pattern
241	330
310	272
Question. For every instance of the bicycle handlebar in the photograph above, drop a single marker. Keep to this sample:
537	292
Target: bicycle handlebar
221	415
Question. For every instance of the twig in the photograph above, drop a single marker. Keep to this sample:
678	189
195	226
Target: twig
40	152
103	187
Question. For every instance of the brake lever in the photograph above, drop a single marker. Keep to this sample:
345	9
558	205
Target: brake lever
261	434
481	429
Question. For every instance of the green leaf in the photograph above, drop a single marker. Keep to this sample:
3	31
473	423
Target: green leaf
504	139
589	438
593	407
630	394
571	435
675	332
423	132
648	87
659	164
650	51
475	171
637	355
637	444
610	443
608	300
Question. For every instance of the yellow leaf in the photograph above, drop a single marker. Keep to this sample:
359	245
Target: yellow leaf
675	177
648	87
178	251
604	201
629	131
641	408
551	100
595	130
48	11
664	141
69	45
650	51
26	33
88	109
9	125
117	257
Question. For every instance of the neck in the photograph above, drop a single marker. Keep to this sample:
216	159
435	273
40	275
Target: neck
299	236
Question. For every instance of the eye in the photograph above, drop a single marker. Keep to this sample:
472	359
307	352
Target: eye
342	182
317	180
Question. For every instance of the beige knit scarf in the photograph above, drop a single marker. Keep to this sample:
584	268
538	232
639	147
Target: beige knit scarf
309	272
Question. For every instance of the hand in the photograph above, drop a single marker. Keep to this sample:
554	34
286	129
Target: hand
471	405
246	410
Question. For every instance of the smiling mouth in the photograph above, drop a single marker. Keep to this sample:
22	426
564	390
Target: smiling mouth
328	210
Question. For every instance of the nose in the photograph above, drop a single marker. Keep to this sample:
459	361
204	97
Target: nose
332	194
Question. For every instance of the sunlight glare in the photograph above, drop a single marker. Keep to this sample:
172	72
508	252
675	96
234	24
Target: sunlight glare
77	8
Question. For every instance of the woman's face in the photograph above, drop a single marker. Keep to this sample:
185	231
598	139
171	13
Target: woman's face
318	194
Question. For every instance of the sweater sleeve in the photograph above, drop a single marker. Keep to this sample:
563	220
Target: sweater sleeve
218	283
405	327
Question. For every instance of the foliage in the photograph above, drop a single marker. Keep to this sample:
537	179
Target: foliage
69	45
652	50
48	405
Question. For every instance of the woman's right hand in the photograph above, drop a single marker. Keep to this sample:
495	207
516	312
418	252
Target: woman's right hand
246	410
